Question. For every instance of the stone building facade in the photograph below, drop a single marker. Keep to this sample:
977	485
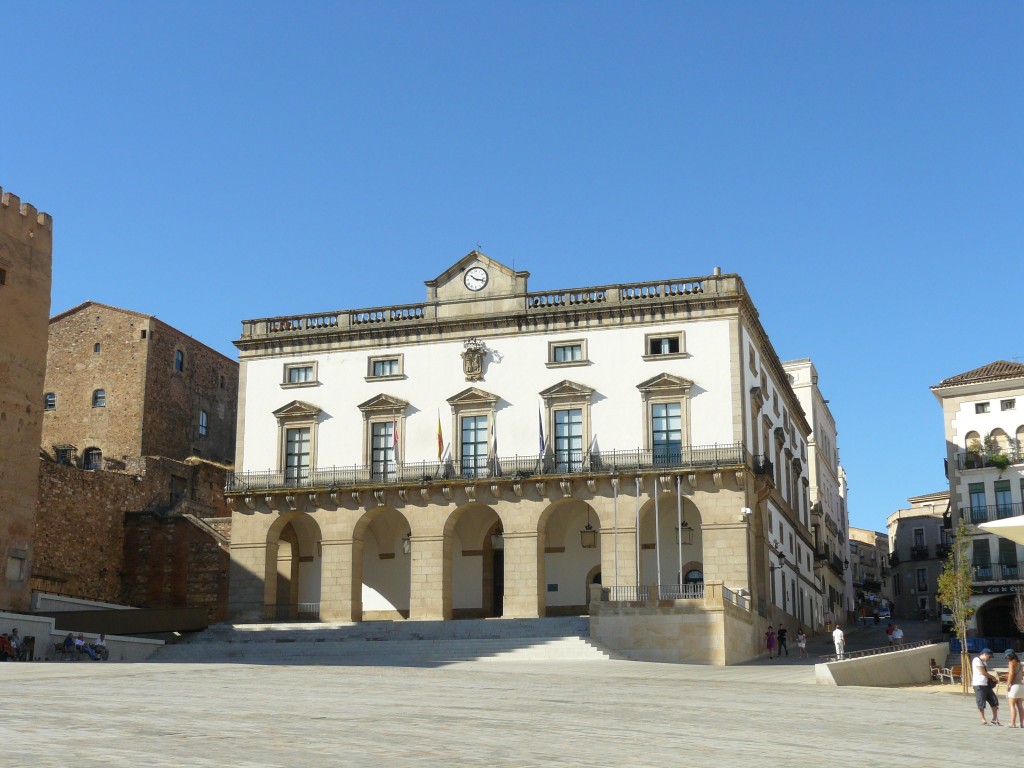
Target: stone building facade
122	384
983	420
920	539
138	431
830	519
26	246
869	569
498	452
153	535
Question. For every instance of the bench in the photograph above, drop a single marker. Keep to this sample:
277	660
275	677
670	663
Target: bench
60	651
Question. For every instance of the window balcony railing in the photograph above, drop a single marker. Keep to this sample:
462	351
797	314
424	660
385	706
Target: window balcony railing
894	558
996	572
919	552
983	514
969	460
604	463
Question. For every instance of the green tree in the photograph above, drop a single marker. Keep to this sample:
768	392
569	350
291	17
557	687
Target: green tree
955	593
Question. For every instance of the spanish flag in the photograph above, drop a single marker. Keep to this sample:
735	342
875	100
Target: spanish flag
440	438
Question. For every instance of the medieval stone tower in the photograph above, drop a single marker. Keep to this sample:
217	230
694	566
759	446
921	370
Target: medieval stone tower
26	246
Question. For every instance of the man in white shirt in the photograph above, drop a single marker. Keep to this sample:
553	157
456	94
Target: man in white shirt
840	641
984	683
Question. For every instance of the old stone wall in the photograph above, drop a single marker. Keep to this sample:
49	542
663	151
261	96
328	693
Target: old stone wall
172	563
116	536
95	347
25	272
207	382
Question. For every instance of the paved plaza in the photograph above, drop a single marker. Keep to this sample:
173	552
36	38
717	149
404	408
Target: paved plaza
484	713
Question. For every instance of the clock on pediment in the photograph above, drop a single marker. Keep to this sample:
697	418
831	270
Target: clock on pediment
475	278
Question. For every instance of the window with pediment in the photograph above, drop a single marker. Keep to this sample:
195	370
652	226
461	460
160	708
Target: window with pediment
666	416
473	426
568	424
383	434
297	429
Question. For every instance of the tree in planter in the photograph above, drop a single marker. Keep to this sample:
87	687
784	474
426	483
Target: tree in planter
955	593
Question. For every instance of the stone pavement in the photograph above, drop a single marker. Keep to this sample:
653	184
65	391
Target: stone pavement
480	713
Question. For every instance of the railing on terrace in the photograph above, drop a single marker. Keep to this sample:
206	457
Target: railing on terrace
997	572
293	612
636	594
680	289
876	651
507	468
983	514
968	460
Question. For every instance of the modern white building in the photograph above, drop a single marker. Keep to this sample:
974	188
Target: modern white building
493	451
983	417
829	517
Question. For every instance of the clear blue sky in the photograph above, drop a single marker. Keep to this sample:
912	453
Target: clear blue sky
858	164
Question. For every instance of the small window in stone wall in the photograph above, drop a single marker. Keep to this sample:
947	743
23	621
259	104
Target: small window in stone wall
96	347
50	402
92	459
3	276
99	398
142	333
204	423
179	360
15	568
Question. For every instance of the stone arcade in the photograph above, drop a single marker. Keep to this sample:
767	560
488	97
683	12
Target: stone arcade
494	452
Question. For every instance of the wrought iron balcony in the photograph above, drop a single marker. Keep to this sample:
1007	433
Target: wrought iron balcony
590	463
983	514
894	558
998	572
970	460
919	552
942	551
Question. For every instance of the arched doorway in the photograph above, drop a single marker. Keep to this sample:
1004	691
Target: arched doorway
474	547
995	618
381	565
572	556
291	588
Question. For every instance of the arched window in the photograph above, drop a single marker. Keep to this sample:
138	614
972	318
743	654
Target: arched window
99	398
51	401
179	360
694	577
96	347
92	459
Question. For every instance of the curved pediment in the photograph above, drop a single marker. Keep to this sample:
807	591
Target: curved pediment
473	396
383	402
298	409
665	382
567	388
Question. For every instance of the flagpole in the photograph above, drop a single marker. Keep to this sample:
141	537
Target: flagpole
657	537
615	513
638	569
679	522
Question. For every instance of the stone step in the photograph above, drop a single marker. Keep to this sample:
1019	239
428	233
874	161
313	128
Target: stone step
403	630
388	653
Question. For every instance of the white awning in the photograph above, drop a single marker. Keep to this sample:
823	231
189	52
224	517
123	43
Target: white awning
1009	528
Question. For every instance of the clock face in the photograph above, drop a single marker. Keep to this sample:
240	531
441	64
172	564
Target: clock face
476	279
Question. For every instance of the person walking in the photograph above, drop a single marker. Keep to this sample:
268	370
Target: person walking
769	641
984	683
801	643
888	632
781	637
897	636
840	642
1015	690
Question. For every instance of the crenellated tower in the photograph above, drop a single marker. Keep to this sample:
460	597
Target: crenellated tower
26	257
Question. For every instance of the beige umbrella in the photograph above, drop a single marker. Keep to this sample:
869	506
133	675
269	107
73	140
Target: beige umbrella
1009	528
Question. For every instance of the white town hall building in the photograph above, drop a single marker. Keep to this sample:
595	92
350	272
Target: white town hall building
493	451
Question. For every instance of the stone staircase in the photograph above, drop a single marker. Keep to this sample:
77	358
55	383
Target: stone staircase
404	643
